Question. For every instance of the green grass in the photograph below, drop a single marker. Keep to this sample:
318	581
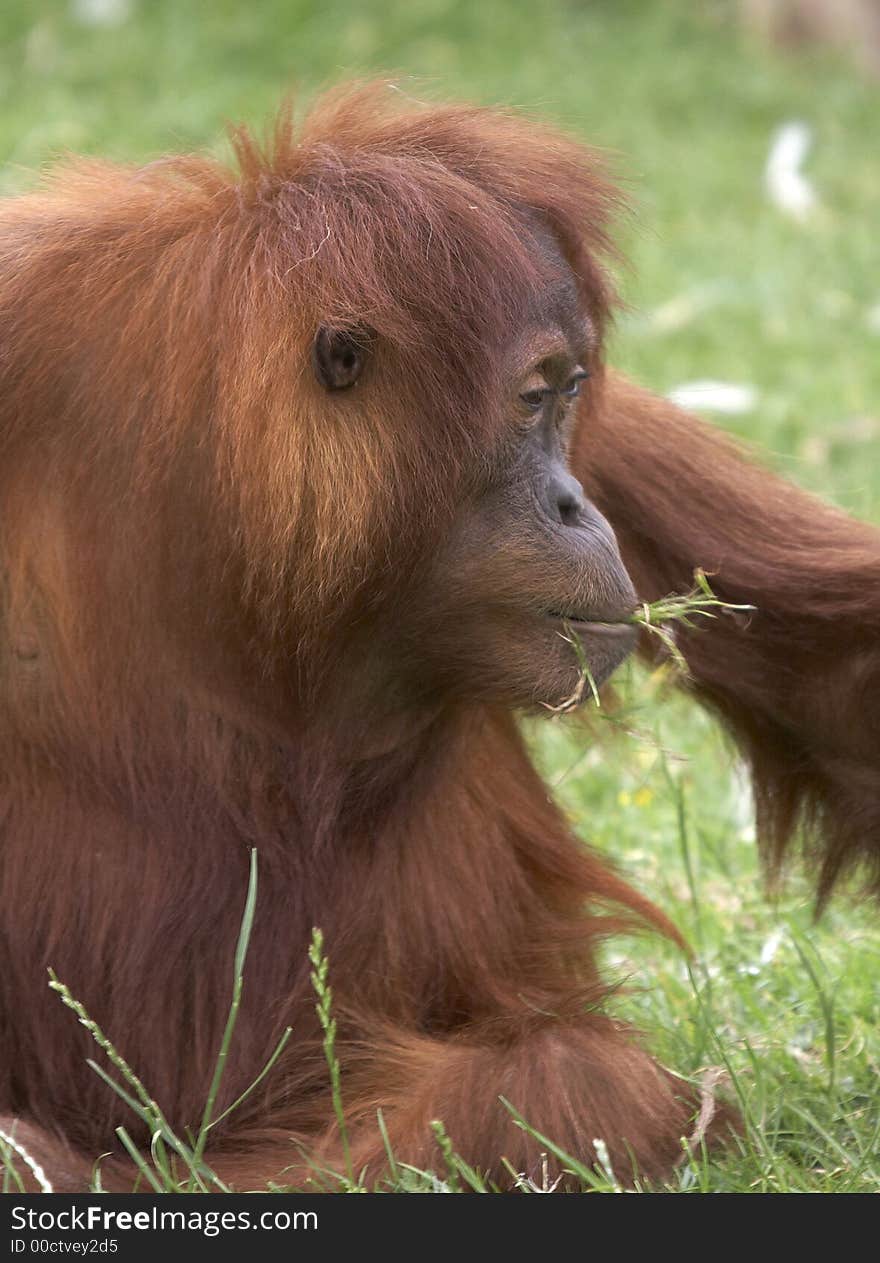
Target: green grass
722	286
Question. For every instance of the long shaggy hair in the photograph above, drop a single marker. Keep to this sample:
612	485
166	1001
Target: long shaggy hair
190	539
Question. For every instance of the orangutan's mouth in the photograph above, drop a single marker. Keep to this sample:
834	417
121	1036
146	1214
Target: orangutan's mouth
592	626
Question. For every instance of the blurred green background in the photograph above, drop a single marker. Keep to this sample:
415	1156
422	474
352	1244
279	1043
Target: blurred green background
723	284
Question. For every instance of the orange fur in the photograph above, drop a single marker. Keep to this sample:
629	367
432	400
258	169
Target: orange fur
795	681
190	540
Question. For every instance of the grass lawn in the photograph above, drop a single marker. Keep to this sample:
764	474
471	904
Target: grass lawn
722	285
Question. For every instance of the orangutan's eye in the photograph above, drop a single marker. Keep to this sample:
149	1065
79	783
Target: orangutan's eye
535	399
573	386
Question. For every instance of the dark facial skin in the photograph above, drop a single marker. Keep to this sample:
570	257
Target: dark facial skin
529	562
530	565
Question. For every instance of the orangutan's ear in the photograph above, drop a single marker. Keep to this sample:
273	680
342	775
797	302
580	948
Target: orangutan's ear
338	357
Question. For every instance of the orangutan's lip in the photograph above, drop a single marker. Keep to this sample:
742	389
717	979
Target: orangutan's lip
591	626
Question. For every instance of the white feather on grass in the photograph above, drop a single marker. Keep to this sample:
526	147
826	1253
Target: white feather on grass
786	185
729	398
101	12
